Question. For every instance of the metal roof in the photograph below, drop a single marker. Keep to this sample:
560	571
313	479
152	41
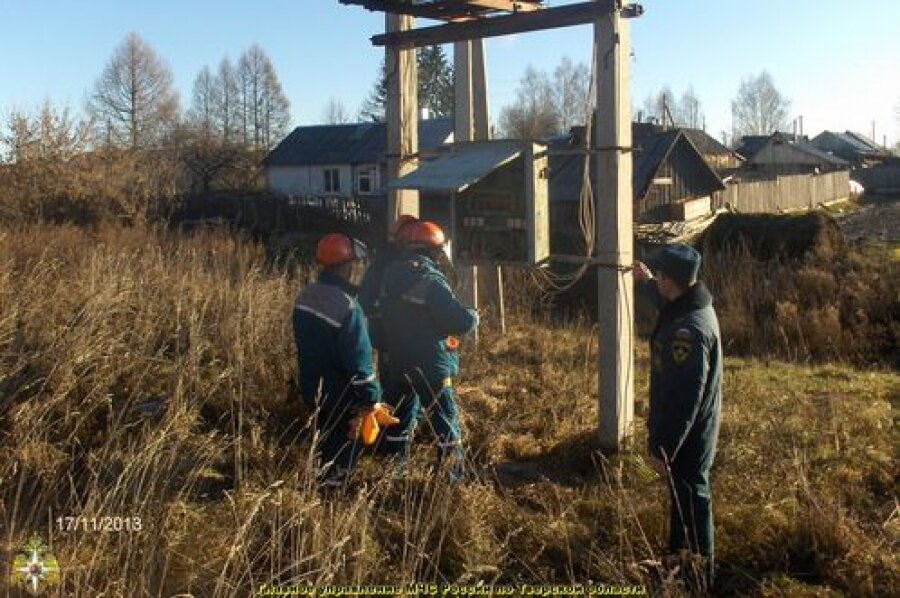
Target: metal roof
360	143
462	166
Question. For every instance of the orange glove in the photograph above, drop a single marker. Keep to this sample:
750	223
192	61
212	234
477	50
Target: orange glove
366	424
452	343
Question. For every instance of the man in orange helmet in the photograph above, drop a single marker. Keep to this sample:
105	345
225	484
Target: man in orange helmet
370	292
337	378
371	287
420	315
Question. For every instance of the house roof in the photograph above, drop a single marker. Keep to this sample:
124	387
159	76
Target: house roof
803	146
462	166
848	145
652	149
706	143
815	152
751	144
861	141
360	143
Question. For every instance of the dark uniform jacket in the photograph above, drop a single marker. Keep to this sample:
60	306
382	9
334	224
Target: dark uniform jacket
686	381
419	312
370	291
333	345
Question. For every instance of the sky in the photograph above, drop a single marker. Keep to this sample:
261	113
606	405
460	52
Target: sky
837	61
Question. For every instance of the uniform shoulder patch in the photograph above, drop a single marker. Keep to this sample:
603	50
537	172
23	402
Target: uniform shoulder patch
325	302
682	345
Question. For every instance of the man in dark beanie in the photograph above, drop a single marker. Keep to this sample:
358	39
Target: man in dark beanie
685	393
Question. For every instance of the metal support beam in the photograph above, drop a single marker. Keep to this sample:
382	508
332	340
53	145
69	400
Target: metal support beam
550	18
615	237
402	116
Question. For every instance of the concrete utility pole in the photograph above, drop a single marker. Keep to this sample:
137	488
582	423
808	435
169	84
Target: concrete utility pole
402	116
463	131
615	240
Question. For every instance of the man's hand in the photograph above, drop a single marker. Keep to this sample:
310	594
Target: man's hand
641	272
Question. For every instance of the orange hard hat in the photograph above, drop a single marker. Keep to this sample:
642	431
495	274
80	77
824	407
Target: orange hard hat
335	249
425	234
403	222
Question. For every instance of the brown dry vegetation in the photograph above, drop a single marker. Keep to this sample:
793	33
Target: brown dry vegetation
142	374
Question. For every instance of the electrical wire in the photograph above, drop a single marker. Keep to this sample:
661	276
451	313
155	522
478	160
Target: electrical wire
550	282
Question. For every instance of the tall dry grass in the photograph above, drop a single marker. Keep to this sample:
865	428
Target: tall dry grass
843	306
147	375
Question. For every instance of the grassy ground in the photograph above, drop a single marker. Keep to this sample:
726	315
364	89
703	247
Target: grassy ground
144	375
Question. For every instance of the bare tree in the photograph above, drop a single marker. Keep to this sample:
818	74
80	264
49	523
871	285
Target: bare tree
264	107
759	108
227	113
533	115
276	115
335	113
690	109
661	106
571	85
204	102
134	97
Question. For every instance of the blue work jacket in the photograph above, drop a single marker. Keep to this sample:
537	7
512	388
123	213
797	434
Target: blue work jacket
333	347
419	312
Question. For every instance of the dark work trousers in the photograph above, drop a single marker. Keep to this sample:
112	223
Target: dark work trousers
337	452
691	518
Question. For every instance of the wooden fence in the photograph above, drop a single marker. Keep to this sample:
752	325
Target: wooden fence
266	214
884	178
791	192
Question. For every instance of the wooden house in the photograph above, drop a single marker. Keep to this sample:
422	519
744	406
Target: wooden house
783	154
344	161
671	178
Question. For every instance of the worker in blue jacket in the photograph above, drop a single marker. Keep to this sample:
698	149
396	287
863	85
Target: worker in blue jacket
422	319
337	378
685	393
370	293
372	285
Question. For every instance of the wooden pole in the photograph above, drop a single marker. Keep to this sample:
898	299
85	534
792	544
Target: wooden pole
402	116
612	43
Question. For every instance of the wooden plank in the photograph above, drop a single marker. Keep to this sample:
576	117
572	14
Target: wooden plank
504	5
449	10
427	11
550	18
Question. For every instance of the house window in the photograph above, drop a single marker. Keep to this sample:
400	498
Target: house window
332	180
364	181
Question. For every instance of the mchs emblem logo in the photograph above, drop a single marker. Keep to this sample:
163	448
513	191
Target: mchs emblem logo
35	568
